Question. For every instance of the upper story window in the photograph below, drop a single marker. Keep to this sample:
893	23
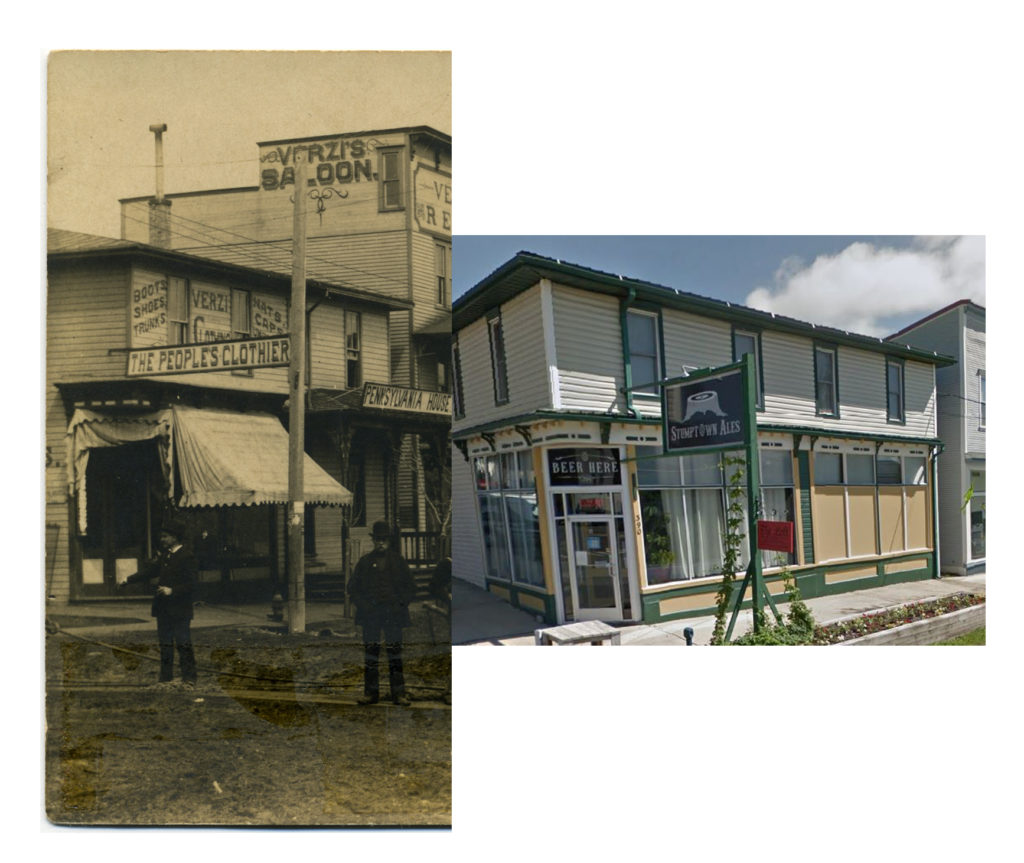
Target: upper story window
391	179
353	349
177	311
894	398
644	353
826	382
499	370
981	396
443	274
749	342
458	399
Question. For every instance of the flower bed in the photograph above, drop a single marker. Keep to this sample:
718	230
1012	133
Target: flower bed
867	624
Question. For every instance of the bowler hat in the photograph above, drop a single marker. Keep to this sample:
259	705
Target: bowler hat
381	530
173	527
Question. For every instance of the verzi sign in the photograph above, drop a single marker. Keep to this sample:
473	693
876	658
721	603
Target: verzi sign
706	413
210	357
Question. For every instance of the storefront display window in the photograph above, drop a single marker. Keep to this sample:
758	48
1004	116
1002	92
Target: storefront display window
777	499
682	504
508	517
977	515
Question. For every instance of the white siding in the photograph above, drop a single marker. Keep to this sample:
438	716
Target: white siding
467	548
694	341
588	345
524	361
789	389
524	353
974	346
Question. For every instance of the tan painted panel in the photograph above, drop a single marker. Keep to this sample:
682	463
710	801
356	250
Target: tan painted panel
862	521
686	603
906	565
501	592
829	510
850	574
890	519
917	517
528	600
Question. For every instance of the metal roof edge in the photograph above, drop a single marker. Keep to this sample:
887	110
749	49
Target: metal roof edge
472	305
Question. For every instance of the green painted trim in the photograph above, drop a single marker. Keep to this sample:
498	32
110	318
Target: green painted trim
845	434
810	581
550	613
754	331
816	345
803	459
549	416
896	361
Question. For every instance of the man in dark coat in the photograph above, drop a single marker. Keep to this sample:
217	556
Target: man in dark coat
381	589
175	572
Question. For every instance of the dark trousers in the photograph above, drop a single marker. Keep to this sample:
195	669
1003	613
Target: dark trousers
372	640
174	632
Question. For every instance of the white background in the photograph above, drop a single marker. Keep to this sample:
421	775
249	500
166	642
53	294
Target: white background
572	118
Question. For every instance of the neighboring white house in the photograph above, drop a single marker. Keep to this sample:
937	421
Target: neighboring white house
560	505
958	330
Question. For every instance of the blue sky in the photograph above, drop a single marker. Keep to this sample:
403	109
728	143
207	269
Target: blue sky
867	284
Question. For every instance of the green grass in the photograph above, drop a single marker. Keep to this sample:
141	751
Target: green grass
975	636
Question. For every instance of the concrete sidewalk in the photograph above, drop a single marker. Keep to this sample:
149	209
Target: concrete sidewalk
479	617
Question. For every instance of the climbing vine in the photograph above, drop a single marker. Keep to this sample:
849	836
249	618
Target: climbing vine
735	467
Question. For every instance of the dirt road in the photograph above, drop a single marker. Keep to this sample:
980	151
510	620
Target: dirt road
270	736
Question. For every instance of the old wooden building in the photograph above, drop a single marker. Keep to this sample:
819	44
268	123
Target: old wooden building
165	391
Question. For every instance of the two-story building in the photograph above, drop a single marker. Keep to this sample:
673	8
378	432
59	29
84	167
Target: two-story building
959	331
380	223
564	502
166	382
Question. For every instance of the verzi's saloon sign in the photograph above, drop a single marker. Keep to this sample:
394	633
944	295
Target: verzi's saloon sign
210	357
706	413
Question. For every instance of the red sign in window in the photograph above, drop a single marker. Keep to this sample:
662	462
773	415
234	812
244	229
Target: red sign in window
775	535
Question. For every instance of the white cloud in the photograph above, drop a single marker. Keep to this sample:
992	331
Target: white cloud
865	288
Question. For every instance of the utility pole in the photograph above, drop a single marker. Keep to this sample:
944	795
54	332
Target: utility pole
297	409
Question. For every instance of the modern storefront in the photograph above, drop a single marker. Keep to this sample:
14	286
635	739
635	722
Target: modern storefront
566	504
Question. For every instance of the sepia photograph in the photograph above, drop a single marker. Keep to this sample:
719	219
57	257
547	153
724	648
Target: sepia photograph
247	403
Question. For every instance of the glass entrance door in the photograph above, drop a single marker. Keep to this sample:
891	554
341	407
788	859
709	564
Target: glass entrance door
595	570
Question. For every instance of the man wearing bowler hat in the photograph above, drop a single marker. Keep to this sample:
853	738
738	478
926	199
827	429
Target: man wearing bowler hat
175	572
381	589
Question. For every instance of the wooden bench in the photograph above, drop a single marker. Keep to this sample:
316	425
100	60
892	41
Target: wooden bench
593	631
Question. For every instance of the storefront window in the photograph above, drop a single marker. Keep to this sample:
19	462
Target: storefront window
777	498
977	515
508	517
682	504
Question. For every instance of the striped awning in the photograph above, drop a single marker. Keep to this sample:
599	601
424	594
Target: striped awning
225	458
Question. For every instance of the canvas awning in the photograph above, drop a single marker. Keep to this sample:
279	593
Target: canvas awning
234	459
89	430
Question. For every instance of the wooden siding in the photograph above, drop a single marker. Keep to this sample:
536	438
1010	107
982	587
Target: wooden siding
424	280
398	339
327	347
588	345
467	542
376	348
